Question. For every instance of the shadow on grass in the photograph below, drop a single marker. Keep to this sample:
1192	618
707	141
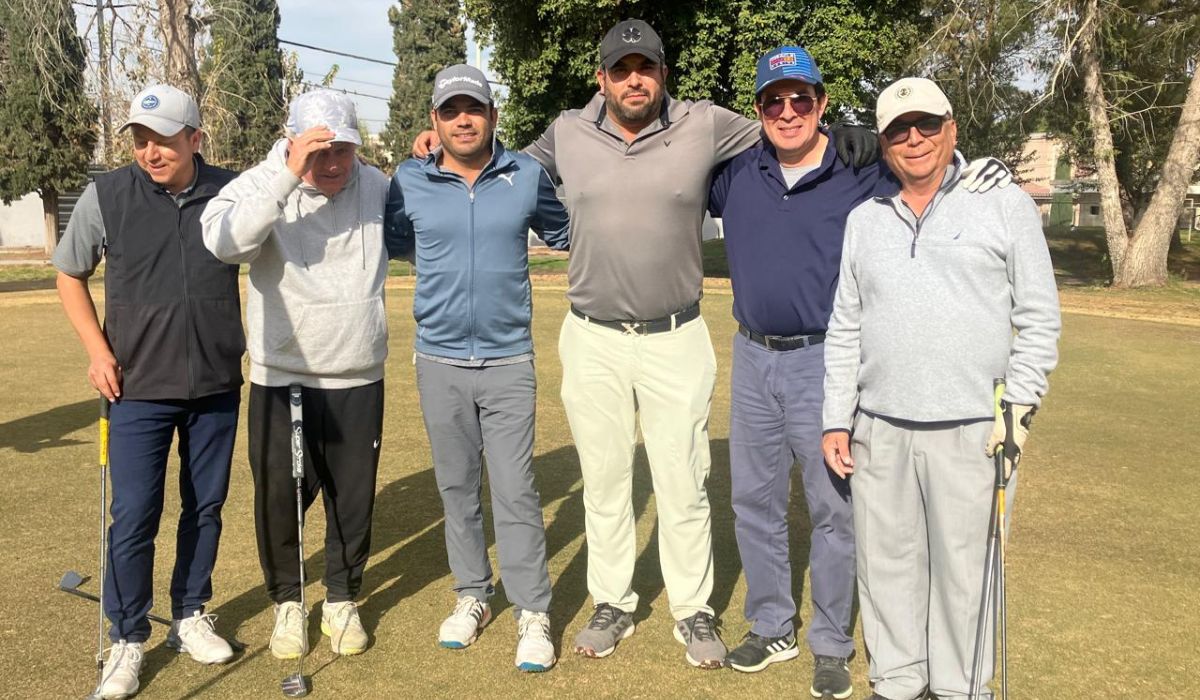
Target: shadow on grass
47	429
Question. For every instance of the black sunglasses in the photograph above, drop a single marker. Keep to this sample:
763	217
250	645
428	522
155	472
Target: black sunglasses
897	131
802	105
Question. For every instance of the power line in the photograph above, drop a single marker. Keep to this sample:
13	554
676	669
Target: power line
307	83
338	53
348	80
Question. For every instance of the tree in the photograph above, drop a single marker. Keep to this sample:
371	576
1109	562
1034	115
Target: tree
178	26
46	118
546	50
244	81
1127	95
428	35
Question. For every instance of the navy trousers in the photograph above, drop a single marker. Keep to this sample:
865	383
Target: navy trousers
775	421
139	444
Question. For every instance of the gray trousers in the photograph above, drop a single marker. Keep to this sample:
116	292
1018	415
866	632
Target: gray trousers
470	412
775	421
922	505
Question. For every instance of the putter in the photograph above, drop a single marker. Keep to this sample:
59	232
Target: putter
294	686
994	599
104	409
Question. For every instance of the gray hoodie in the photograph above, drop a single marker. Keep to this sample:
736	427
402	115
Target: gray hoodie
926	309
314	311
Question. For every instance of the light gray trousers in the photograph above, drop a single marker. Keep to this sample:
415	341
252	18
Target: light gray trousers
469	413
922	505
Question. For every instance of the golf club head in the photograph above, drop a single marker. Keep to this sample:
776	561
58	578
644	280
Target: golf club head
71	580
294	686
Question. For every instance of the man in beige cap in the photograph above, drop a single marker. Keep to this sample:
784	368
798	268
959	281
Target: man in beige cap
934	281
169	358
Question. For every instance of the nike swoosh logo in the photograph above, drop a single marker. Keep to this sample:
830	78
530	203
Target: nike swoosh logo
376	443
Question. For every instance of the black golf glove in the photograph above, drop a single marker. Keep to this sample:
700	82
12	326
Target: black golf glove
856	145
1019	417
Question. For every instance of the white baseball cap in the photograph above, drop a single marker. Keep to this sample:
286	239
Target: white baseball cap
163	109
910	95
333	109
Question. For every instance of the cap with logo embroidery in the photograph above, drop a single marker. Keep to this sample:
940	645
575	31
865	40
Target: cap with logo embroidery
910	95
461	79
786	63
164	110
334	110
630	36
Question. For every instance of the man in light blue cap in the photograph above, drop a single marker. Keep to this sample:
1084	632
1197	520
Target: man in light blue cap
309	221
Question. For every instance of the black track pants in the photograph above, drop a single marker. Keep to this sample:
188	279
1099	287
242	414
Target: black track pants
342	431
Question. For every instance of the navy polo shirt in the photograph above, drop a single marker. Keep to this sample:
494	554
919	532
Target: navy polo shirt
784	245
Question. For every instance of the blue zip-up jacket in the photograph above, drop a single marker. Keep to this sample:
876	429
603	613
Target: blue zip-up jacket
473	299
784	245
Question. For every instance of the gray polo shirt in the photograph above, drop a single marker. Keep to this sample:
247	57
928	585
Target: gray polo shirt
637	209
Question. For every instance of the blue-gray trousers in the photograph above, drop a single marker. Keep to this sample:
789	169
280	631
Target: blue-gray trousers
775	421
469	413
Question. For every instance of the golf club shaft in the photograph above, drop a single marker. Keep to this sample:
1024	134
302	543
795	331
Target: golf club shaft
1001	594
96	599
105	407
296	399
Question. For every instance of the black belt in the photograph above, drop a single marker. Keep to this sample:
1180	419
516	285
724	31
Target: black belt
657	325
780	342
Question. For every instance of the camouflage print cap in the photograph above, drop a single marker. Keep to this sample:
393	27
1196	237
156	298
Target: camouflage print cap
328	107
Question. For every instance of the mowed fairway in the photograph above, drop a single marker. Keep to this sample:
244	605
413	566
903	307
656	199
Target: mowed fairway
1104	557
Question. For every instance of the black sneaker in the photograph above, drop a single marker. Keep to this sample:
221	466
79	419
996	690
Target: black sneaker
831	678
757	652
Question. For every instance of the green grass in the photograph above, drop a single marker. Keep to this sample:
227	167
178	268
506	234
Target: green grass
1103	557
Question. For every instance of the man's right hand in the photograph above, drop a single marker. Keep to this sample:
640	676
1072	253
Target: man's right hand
303	149
836	446
424	143
105	375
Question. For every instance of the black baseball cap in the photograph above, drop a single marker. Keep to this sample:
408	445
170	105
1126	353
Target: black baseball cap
630	36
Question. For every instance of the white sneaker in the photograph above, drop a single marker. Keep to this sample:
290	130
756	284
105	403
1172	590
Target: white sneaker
535	651
463	626
288	639
120	676
340	622
197	636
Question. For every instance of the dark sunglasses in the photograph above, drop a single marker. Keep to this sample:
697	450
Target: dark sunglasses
802	105
897	132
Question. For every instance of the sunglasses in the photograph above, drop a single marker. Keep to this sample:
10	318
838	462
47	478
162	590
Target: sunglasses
897	132
802	105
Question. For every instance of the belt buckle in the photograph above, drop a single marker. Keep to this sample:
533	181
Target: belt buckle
635	327
770	341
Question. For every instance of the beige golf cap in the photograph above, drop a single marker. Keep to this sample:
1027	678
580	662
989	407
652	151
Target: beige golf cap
910	95
164	110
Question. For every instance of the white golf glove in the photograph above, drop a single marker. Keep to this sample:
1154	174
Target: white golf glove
982	174
1021	418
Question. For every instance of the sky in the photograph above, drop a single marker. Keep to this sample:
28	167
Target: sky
351	26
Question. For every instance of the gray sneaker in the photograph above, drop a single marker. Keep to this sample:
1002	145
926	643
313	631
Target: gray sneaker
704	647
607	626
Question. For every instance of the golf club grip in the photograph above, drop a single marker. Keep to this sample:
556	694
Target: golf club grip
105	407
295	399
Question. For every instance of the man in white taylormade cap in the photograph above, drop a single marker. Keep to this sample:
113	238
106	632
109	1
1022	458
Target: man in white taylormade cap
309	220
169	358
934	281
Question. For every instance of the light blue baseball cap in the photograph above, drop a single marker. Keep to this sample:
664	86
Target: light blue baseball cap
786	63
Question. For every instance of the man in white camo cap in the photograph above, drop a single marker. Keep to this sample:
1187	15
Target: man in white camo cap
309	221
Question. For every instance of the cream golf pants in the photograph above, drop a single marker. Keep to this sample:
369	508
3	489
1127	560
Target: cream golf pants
664	381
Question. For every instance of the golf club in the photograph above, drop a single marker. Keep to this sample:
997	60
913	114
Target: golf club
294	686
103	439
994	599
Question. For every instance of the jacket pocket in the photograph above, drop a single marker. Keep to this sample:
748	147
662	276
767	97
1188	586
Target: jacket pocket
331	339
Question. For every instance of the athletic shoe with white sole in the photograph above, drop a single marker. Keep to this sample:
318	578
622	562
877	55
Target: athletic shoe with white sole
340	622
535	651
704	646
831	678
119	679
607	626
197	636
756	652
289	639
463	626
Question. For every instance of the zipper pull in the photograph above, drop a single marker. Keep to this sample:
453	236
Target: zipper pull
471	194
912	251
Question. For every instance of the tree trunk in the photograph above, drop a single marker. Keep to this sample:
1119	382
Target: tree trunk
1145	263
1102	141
50	218
178	30
102	70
